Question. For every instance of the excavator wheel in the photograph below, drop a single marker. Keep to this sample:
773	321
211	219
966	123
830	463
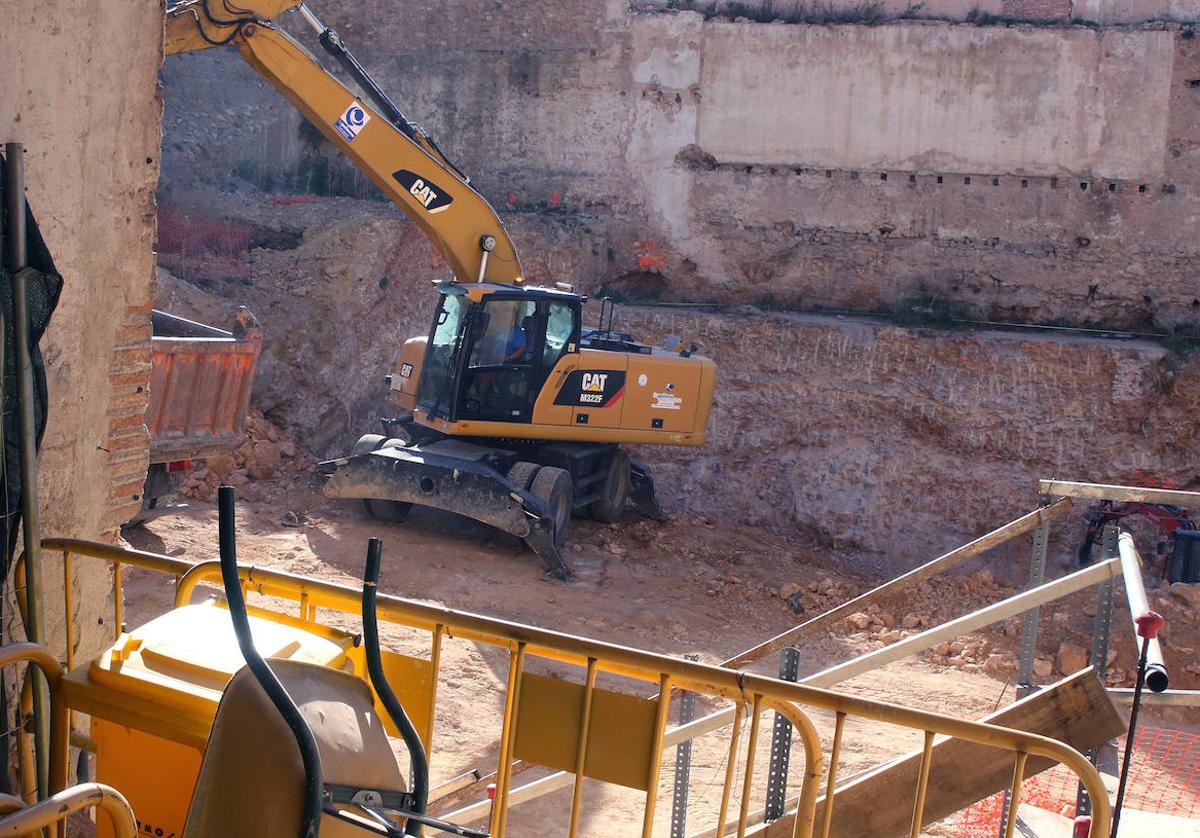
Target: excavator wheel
553	485
614	491
522	473
368	443
392	511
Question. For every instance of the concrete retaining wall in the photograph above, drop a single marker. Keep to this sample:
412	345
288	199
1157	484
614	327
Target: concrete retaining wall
933	99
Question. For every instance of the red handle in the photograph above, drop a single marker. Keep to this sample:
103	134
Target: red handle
1149	623
1083	826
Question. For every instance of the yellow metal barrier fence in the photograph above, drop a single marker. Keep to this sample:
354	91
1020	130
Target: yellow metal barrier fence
529	728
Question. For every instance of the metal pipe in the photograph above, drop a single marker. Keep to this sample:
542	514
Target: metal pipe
387	697
276	692
14	199
1135	591
55	810
923	786
581	746
1148	624
835	755
730	765
748	773
656	749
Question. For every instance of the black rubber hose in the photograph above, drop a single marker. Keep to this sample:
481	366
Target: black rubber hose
314	788
416	748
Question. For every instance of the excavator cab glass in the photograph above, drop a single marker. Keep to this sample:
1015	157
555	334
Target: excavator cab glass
438	373
487	361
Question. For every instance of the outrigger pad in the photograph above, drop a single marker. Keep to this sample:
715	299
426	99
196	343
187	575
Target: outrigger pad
541	541
642	494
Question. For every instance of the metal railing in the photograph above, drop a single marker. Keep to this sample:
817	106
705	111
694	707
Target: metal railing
19	819
526	646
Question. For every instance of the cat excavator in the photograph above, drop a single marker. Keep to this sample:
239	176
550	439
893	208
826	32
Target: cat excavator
510	410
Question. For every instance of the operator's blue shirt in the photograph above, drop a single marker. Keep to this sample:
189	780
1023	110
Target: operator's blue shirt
516	343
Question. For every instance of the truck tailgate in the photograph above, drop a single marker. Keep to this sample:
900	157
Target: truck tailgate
200	381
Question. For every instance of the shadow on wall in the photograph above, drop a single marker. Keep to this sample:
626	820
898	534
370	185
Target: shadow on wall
869	13
634	287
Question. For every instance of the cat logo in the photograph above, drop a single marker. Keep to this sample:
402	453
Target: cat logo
423	193
592	388
431	196
593	382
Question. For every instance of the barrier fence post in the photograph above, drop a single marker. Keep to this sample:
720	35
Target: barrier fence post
1029	636
1101	634
781	742
683	764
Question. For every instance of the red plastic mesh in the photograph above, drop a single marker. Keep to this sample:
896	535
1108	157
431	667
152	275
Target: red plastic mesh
222	247
1164	778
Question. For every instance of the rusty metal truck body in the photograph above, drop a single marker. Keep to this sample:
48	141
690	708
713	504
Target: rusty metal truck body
200	382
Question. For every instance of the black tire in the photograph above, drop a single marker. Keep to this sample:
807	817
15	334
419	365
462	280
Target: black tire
392	511
522	473
368	443
553	485
614	490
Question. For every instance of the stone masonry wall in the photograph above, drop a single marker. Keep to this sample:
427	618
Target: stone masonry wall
1015	173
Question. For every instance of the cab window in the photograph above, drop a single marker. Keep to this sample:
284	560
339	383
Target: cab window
560	326
507	334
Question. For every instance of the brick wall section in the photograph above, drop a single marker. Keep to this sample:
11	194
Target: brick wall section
1037	9
128	440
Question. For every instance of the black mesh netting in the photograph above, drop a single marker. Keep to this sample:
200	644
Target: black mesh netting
44	287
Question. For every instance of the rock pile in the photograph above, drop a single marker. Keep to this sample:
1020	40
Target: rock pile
265	454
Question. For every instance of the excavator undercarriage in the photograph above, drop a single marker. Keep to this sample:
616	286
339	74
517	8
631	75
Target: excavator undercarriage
525	489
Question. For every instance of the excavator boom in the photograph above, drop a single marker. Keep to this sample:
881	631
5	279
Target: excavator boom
394	153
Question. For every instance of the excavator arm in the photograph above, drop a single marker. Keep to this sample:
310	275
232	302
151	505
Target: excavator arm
397	155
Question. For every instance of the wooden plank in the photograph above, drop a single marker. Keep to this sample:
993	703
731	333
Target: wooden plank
1024	524
927	639
1167	698
1018	604
878	803
1104	491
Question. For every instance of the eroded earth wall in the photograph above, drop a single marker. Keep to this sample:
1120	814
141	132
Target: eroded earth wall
926	171
79	88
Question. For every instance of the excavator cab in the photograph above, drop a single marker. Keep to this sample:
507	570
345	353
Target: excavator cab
488	359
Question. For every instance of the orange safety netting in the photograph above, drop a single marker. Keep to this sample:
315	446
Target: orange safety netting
1164	778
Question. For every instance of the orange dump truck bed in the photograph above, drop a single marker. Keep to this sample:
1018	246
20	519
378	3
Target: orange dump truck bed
200	386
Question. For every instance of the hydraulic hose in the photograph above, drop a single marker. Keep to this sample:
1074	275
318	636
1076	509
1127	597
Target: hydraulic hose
314	787
416	748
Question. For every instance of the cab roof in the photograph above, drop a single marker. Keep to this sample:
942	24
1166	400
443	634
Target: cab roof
478	290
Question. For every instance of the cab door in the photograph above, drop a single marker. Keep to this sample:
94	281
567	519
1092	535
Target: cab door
500	357
585	388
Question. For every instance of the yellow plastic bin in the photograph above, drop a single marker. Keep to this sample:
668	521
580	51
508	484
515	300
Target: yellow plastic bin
153	694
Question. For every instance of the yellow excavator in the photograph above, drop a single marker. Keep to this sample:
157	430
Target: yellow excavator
513	411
